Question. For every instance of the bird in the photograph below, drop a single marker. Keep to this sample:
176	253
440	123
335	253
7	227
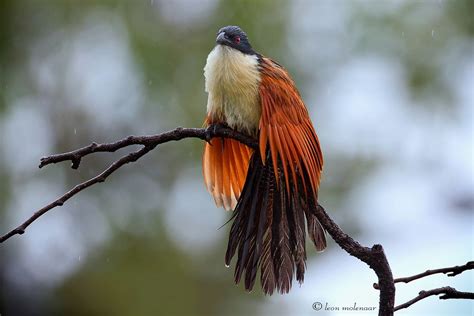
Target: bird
270	190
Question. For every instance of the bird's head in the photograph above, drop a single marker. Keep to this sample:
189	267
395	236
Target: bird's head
234	37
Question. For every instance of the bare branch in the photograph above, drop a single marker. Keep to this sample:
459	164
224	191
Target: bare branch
374	257
450	271
176	134
78	188
447	293
149	143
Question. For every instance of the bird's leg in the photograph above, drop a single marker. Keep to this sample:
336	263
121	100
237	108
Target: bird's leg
211	130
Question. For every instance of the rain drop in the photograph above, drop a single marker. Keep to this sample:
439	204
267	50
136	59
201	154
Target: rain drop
75	131
432	33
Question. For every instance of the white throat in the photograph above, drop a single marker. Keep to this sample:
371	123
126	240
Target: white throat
232	81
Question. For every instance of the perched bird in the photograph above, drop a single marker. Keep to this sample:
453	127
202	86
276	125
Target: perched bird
271	190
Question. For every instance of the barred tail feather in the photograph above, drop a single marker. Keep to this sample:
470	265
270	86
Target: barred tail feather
268	232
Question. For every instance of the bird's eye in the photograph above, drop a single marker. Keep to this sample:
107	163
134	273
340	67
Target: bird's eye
237	39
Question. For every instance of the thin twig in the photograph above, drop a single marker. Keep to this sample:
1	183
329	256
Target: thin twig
176	134
447	291
450	271
134	156
149	143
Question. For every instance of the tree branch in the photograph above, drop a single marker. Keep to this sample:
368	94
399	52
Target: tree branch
450	271
176	134
149	143
447	291
134	156
374	257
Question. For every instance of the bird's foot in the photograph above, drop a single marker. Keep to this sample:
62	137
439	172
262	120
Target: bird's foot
211	130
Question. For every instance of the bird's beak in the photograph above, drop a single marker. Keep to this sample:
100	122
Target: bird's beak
222	38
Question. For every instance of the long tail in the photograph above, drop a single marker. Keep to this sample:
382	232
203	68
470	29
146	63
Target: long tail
269	230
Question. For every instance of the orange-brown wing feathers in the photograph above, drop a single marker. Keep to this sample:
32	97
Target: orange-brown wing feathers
225	162
285	125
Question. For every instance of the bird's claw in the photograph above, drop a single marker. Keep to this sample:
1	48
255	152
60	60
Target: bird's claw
211	130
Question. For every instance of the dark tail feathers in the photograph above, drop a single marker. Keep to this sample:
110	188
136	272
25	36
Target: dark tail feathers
268	231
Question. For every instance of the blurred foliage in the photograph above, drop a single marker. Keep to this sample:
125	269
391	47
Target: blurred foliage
162	279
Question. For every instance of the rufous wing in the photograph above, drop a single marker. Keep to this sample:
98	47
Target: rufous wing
286	127
225	163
